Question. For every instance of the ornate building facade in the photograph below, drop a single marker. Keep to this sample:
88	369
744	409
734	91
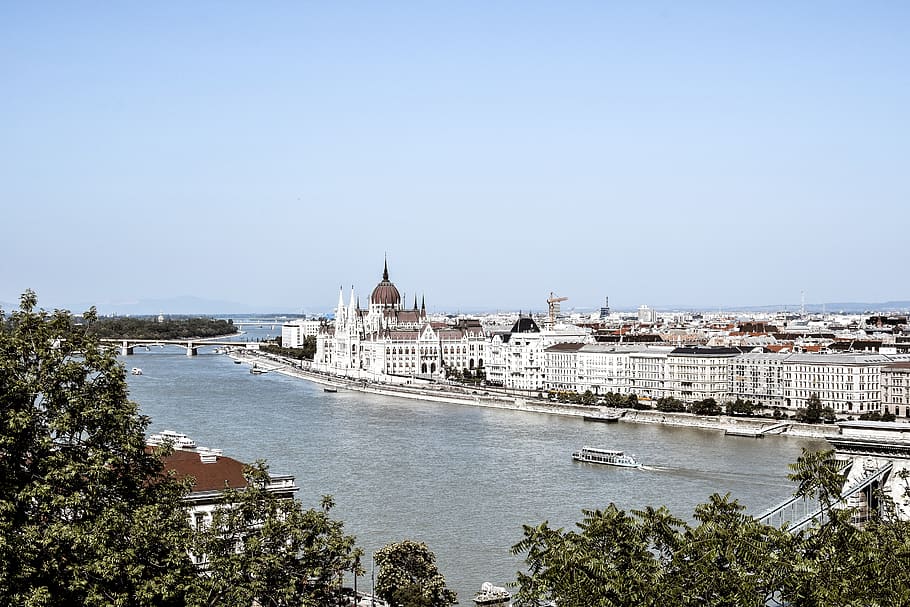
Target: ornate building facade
388	342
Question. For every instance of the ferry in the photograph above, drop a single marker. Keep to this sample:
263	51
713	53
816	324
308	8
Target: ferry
492	596
177	439
591	455
136	371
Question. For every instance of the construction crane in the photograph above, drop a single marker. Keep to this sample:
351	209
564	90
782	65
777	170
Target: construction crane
554	307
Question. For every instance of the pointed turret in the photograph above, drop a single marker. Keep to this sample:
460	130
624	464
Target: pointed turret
339	311
423	305
415	303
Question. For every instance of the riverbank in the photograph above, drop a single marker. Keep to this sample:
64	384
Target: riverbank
752	427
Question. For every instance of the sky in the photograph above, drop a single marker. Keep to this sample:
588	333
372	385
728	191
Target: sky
700	154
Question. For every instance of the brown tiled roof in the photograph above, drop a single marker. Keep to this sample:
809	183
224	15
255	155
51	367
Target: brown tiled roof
225	471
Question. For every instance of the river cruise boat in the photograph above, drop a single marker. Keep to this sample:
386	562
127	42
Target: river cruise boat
177	439
492	596
609	457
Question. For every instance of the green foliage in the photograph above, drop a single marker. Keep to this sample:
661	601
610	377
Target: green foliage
668	404
86	516
264	548
408	576
707	406
740	407
149	328
725	558
307	352
876	416
812	413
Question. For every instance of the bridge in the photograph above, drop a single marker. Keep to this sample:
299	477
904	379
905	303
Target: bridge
127	346
873	457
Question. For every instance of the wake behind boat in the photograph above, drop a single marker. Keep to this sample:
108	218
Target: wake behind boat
609	457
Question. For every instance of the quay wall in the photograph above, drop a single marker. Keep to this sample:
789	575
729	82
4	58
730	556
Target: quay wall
449	395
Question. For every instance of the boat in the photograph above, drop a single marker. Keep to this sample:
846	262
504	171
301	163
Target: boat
258	371
177	439
492	596
610	457
603	419
237	362
136	371
330	389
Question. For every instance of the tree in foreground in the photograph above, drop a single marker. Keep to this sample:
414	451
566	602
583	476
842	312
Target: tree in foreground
86	516
408	576
725	558
266	550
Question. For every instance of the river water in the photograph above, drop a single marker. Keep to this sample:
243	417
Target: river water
462	479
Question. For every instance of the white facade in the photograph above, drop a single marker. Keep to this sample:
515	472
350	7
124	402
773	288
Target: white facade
759	377
295	332
389	343
896	389
697	373
517	360
848	383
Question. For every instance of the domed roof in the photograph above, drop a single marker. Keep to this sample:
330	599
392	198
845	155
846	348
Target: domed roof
385	293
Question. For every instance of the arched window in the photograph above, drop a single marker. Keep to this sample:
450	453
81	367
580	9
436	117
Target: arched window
423	368
471	364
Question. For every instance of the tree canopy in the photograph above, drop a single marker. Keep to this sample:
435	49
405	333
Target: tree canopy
86	516
408	576
724	558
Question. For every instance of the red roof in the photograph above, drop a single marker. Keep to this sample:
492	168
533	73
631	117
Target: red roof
224	471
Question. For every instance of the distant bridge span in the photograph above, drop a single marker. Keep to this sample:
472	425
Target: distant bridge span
192	345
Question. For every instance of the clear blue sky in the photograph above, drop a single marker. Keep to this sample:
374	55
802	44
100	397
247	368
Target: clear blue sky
710	154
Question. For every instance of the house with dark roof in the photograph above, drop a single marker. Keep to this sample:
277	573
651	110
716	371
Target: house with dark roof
211	473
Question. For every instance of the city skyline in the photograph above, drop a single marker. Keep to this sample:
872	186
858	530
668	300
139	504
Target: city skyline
708	157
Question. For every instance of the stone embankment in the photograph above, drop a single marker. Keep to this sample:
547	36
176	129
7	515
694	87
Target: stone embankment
461	396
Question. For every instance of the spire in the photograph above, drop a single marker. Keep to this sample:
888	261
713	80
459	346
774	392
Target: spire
385	268
415	303
423	305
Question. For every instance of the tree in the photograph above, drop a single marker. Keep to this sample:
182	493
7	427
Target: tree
86	515
727	558
266	550
812	413
707	406
668	404
408	576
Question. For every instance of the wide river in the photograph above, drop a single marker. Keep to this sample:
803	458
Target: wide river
462	479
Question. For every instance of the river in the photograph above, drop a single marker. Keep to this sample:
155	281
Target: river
462	479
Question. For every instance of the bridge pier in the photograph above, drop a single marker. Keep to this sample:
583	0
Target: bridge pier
191	350
126	349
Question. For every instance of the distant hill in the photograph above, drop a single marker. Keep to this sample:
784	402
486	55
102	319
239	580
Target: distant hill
173	305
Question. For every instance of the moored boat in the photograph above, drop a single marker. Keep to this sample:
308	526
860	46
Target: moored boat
492	596
329	389
609	457
177	439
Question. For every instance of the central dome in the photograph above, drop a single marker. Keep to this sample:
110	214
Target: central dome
385	293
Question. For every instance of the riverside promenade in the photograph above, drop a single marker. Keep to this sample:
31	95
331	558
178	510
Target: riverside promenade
486	397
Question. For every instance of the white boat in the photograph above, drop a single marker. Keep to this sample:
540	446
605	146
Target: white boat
177	439
610	457
492	596
136	371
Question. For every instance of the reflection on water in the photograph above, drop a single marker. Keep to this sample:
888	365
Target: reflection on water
462	479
